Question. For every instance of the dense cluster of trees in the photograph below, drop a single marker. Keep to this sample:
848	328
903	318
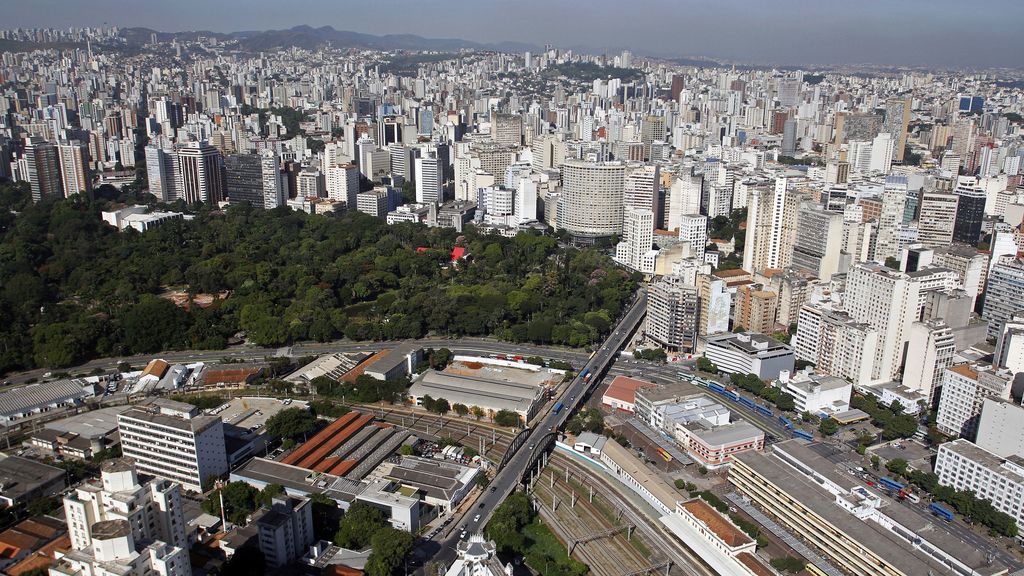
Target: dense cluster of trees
891	419
963	501
365	389
291	423
651	354
751	383
74	288
365	525
240	500
586	419
517	532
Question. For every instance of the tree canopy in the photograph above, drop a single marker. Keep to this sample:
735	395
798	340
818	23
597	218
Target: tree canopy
291	423
75	288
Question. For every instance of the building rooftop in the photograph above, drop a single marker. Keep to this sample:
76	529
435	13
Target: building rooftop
20	476
93	425
623	388
26	398
476	390
716	523
638	471
982	457
732	433
107	529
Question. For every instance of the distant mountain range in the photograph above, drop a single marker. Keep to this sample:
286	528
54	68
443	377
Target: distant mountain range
312	38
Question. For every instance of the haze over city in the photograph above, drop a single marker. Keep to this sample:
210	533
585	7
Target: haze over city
939	33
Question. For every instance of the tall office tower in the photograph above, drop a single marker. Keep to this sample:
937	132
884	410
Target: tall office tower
970	265
851	126
243	175
636	249
888	301
788	91
771	227
507	129
894	199
859	155
548	152
1010	344
678	83
310	184
342	183
152	509
640	189
897	119
1004	293
817	246
673	310
715	304
526	200
202	176
652	129
273	181
882	152
389	130
174	440
938	218
693	228
374	202
756	308
591	202
837	344
970	210
837	172
75	175
42	160
285	530
684	197
401	161
162	172
929	352
964	390
789	137
429	177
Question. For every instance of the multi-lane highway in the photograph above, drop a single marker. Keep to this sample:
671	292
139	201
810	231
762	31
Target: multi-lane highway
506	480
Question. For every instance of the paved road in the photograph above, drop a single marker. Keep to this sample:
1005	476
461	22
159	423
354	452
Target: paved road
506	480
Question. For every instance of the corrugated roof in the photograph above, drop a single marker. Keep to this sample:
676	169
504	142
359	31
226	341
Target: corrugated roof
27	398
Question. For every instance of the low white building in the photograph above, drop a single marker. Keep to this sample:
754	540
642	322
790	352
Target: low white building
817	394
748	353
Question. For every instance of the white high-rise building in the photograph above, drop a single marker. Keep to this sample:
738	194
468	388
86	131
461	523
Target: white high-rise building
771	227
120	525
684	198
693	228
1010	344
1004	293
962	465
894	200
285	530
273	187
526	200
1001	427
591	201
837	344
636	249
342	183
883	149
174	440
888	301
929	352
641	188
816	247
74	168
429	177
964	390
162	172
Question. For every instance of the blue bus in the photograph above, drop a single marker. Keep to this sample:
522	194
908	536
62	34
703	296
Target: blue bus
558	408
764	411
802	435
785	422
941	512
890	484
585	374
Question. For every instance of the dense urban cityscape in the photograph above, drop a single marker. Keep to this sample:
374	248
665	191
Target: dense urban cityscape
311	301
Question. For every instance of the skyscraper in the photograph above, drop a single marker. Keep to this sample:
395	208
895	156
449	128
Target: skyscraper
672	314
44	175
816	247
888	301
342	181
1003	295
771	227
938	218
897	119
76	177
429	177
592	198
635	250
202	175
273	181
970	210
163	173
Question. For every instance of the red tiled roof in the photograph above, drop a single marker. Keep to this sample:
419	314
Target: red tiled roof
624	388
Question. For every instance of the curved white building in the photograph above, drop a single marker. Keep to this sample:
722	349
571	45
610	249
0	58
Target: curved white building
591	203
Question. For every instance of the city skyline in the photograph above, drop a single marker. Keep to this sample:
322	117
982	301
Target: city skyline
942	34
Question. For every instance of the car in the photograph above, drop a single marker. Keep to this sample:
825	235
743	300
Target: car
531	446
476	518
481	505
493	488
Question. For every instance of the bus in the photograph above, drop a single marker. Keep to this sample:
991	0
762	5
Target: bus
558	408
664	454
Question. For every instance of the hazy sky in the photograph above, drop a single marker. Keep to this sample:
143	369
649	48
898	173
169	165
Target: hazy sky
960	33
